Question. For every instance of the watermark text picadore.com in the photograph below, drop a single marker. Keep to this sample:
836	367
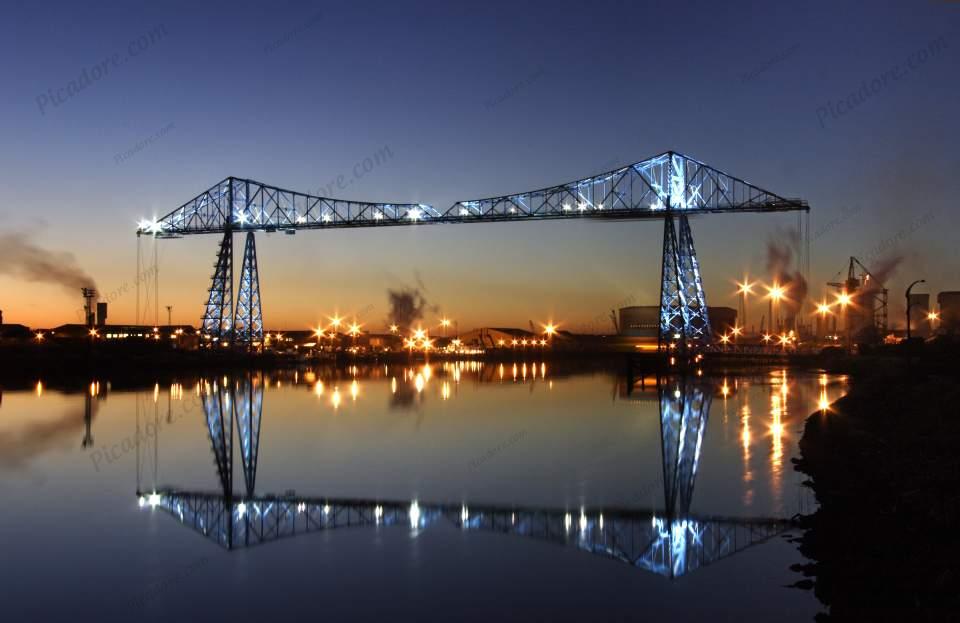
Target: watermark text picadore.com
91	74
836	109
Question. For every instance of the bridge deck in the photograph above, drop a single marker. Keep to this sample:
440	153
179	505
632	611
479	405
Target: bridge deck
650	189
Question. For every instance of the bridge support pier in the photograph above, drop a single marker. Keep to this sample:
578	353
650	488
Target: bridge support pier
216	324
220	321
684	409
248	322
684	321
248	412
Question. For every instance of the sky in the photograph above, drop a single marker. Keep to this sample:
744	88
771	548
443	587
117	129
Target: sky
851	108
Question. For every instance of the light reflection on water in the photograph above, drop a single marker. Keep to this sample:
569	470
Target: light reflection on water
422	388
588	459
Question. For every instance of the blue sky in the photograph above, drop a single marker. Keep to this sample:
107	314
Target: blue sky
473	100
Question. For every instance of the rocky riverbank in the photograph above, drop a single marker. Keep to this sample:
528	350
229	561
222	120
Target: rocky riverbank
884	462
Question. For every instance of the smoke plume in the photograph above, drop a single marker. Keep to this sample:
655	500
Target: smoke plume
22	259
882	269
407	306
781	248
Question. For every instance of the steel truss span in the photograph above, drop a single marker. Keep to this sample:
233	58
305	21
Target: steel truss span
670	185
667	546
649	189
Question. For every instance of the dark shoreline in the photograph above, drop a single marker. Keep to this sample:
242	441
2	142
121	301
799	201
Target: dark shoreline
884	463
77	363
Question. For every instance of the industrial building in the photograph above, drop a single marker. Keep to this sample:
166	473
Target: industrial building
498	337
119	332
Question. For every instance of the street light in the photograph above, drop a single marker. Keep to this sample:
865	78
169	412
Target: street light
823	309
907	296
743	289
776	293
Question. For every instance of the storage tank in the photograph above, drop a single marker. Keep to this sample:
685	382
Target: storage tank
644	320
640	321
949	304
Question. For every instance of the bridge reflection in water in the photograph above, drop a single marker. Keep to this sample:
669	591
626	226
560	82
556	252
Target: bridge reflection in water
671	542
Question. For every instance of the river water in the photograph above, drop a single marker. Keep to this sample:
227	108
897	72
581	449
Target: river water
452	490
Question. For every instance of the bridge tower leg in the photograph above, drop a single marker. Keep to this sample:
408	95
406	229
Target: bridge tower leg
248	323
697	318
248	412
218	314
683	305
216	401
684	410
672	308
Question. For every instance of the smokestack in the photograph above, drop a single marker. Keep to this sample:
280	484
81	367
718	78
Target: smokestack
1	317
88	296
101	314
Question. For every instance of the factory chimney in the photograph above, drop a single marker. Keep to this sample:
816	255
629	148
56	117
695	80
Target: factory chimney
88	296
101	313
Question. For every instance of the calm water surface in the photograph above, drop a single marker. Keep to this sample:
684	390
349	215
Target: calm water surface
461	490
